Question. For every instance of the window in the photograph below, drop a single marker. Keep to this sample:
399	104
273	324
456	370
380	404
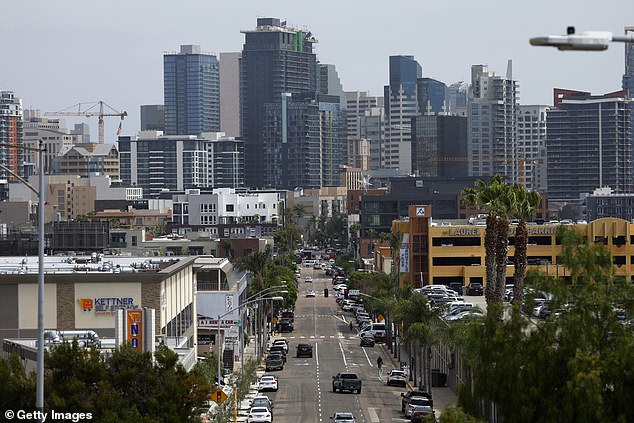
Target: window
229	207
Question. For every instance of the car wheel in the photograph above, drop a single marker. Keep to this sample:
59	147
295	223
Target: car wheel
359	391
334	389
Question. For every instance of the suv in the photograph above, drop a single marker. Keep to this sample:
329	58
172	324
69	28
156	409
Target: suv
475	288
274	362
397	377
305	350
343	418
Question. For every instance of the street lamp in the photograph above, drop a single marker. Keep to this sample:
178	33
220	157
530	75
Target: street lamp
220	316
40	192
585	41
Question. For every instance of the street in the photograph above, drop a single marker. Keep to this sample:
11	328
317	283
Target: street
305	385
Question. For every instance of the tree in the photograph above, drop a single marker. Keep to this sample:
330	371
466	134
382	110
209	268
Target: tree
570	367
17	390
225	244
525	204
496	199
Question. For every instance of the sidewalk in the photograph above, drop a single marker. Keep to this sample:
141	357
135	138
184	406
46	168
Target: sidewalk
442	396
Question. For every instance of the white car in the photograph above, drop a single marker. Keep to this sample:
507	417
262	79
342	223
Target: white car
397	377
268	383
260	415
343	418
308	279
310	293
281	342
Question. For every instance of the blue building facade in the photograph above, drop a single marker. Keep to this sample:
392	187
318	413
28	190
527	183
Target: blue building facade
432	95
191	84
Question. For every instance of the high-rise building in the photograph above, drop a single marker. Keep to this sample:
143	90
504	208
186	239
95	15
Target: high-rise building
277	62
156	162
401	104
226	161
365	129
439	146
628	76
531	144
333	145
11	132
432	96
589	145
492	117
191	85
152	117
457	94
230	93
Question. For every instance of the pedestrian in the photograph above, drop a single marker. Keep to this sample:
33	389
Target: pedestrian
350	324
379	362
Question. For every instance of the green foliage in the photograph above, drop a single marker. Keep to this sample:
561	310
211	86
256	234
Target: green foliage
125	386
451	414
574	366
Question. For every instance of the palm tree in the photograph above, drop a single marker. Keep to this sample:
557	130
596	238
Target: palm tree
486	197
225	244
525	204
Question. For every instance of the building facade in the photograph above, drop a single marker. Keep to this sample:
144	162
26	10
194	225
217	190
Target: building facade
401	104
440	252
531	144
152	117
432	96
277	61
365	129
191	85
11	132
589	145
492	112
439	146
230	93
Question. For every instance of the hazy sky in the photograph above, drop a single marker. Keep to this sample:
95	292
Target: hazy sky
55	54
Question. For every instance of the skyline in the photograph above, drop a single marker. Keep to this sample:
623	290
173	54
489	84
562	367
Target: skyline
115	53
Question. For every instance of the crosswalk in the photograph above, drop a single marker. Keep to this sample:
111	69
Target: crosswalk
340	336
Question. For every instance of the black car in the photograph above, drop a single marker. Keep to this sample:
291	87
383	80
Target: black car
457	287
304	350
475	289
409	394
285	326
278	349
367	341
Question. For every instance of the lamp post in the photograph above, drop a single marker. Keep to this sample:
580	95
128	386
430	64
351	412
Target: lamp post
585	41
40	192
259	294
220	316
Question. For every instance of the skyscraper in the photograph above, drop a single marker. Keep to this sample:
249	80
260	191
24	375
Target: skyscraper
277	62
437	137
152	117
365	127
230	93
531	144
628	77
432	96
492	113
589	145
191	85
11	132
401	104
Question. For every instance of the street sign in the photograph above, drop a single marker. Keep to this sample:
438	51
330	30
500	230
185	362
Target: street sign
218	396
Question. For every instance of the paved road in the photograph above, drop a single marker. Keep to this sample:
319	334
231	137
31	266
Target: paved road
305	385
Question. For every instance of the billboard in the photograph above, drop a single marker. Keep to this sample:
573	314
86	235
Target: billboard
134	329
404	258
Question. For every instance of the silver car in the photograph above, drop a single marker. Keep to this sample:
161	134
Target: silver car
343	418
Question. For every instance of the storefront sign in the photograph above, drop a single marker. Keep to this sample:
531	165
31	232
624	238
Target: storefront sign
213	323
134	326
107	305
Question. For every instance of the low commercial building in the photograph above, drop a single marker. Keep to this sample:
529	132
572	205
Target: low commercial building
443	251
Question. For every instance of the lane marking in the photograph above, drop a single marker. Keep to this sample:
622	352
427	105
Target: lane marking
317	353
366	356
373	416
345	363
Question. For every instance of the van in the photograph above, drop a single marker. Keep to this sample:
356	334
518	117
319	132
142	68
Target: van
376	329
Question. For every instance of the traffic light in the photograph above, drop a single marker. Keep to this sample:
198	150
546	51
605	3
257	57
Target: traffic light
326	292
345	293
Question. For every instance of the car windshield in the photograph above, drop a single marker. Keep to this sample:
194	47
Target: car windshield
418	401
397	373
344	416
259	410
267	378
348	376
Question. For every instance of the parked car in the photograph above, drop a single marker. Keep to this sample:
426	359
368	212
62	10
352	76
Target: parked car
285	326
397	378
475	288
343	418
278	349
262	401
367	341
413	402
457	287
274	362
268	383
288	314
281	342
420	413
405	396
260	415
304	350
308	279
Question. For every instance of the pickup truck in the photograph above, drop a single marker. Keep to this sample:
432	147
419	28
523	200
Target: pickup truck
346	382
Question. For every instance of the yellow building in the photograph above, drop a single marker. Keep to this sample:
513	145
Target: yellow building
440	252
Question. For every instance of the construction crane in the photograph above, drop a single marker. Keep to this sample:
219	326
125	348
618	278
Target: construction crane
521	163
90	110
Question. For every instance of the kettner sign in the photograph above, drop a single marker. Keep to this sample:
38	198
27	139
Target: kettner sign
532	230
